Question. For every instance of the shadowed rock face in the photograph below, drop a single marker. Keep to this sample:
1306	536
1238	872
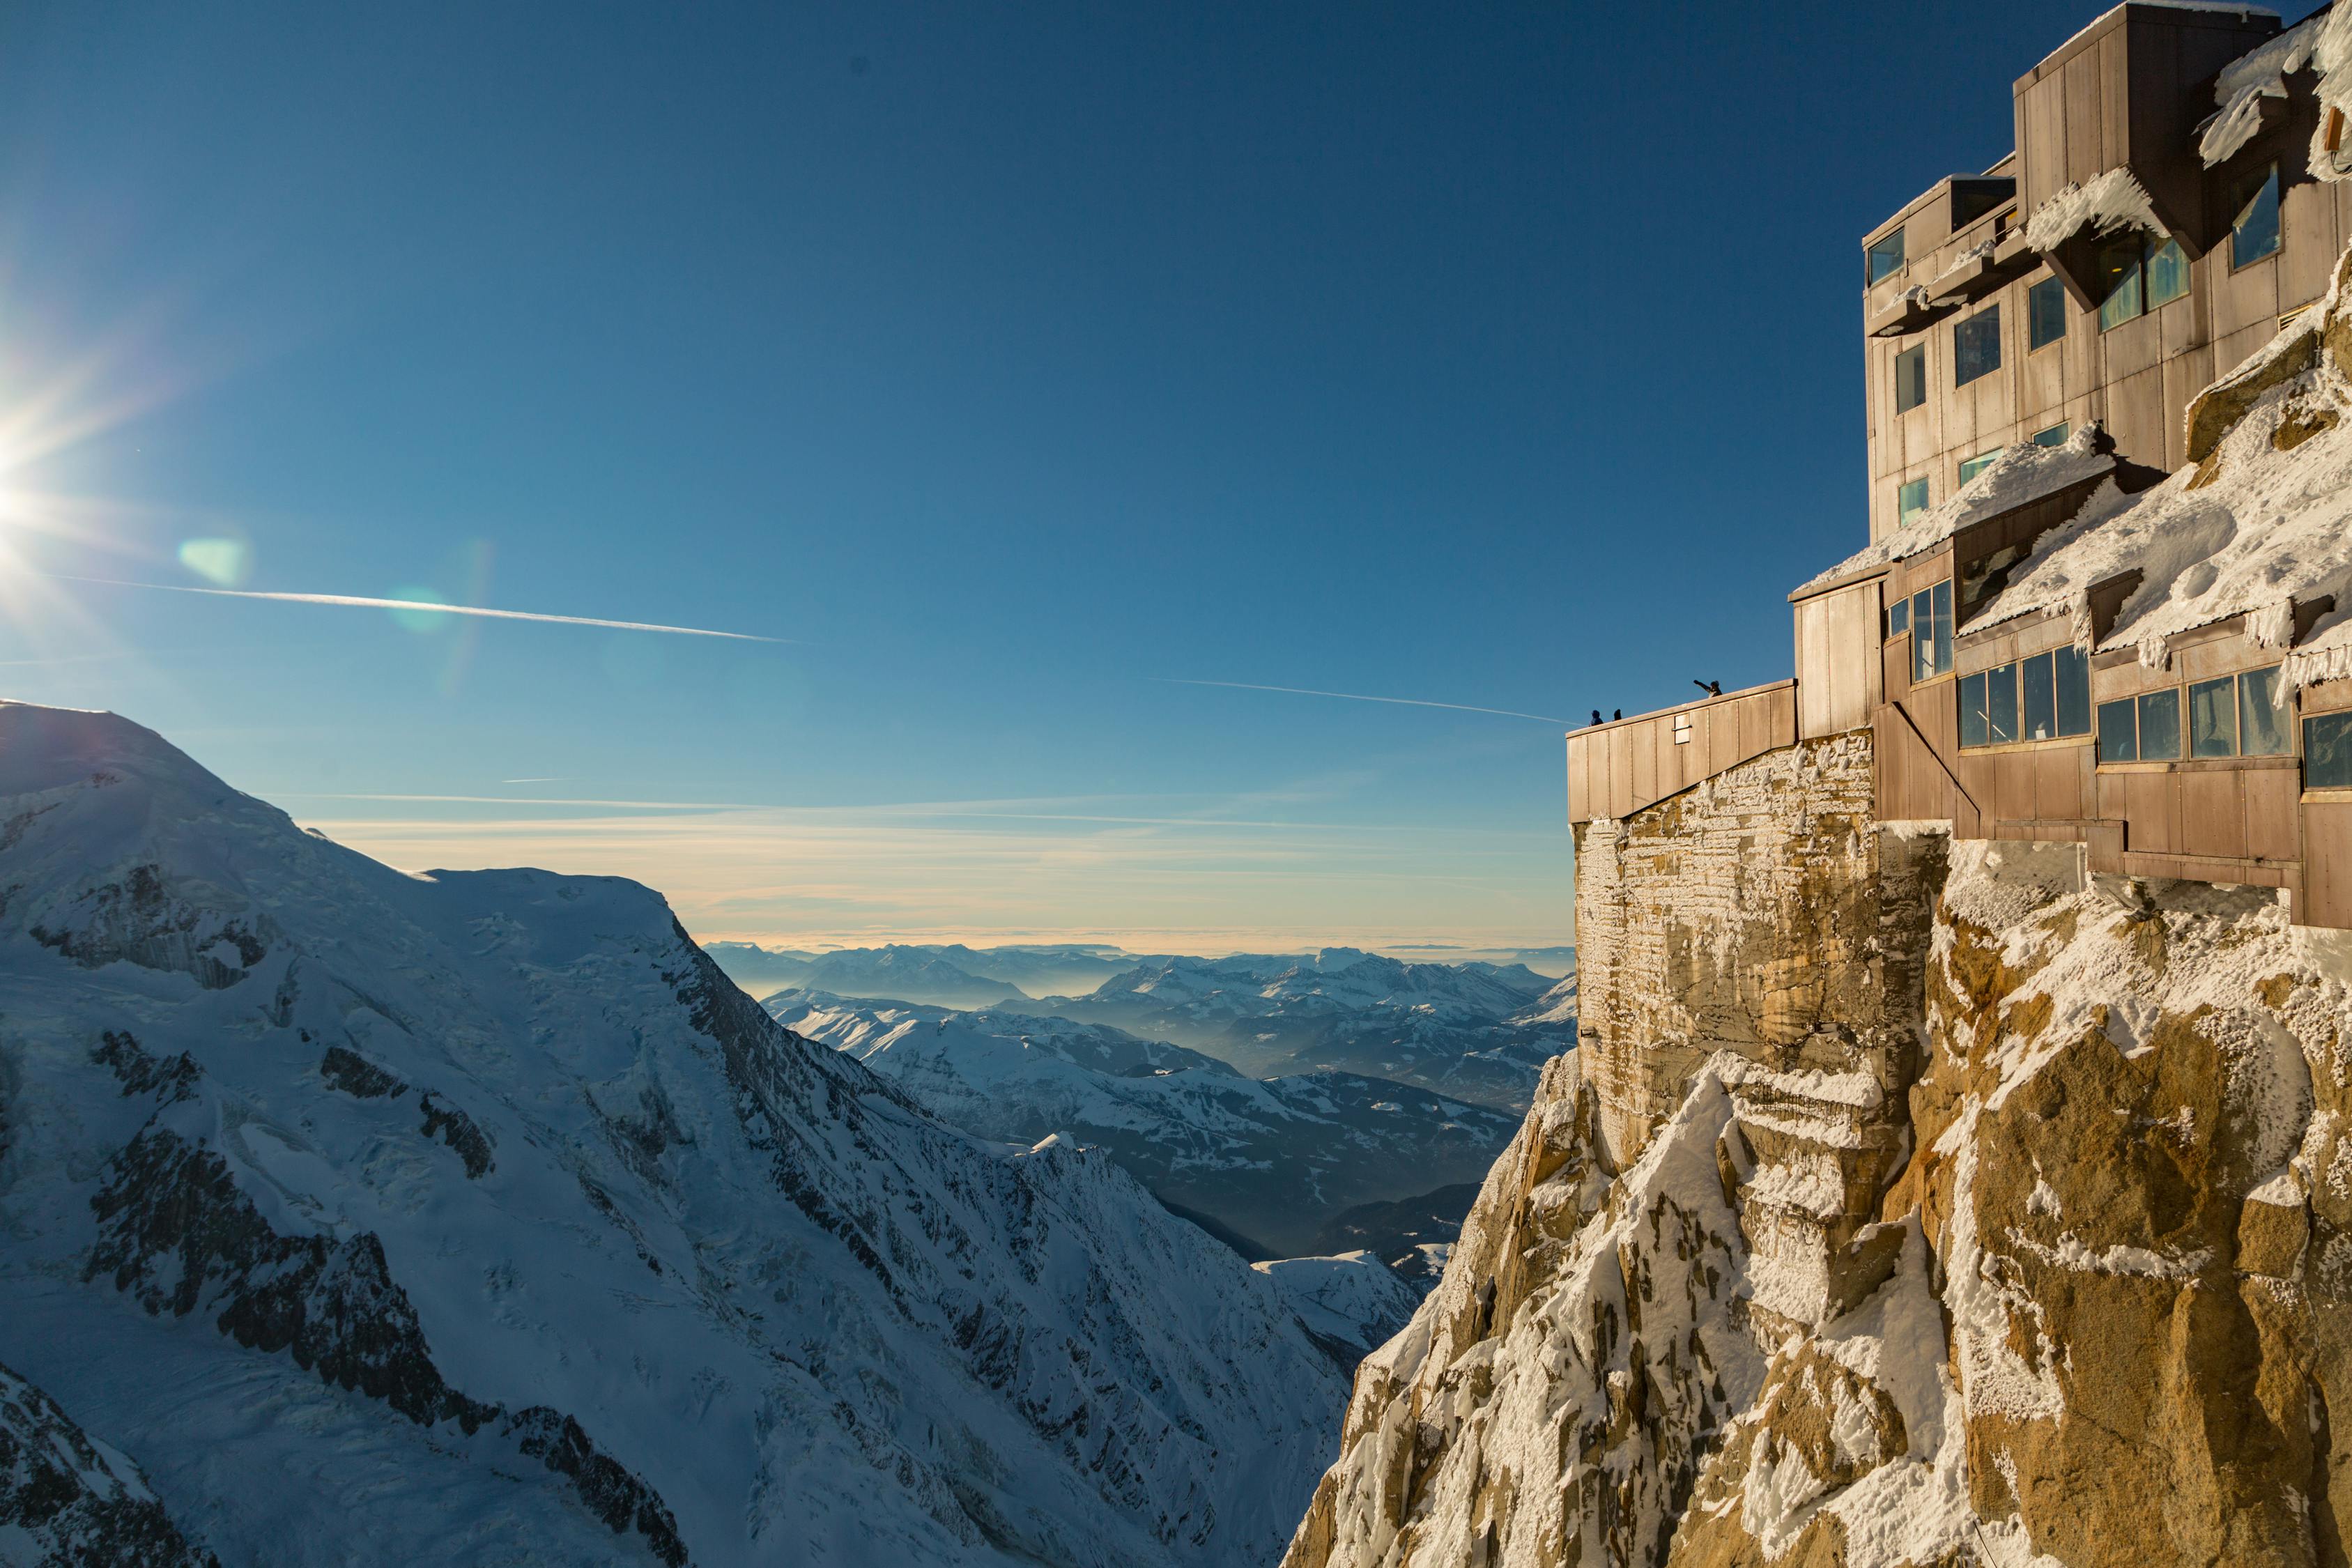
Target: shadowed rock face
2072	1290
66	1503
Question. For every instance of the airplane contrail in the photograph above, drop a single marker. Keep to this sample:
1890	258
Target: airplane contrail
1360	696
356	601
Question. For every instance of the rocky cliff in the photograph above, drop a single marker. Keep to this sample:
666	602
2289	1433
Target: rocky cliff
1980	1211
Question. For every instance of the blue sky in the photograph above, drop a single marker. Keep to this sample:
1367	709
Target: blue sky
1010	365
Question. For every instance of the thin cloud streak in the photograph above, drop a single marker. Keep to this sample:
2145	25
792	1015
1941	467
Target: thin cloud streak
1360	696
355	601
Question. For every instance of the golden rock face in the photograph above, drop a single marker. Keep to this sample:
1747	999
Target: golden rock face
2031	1244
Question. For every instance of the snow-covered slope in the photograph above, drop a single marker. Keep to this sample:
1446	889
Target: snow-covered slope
1445	1027
1274	1159
476	1217
1353	1300
66	1499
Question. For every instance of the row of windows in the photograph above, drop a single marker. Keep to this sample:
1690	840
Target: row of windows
2046	698
2135	274
2235	716
1911	495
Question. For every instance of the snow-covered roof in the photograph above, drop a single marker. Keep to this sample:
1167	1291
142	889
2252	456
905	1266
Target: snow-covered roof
2020	475
2264	521
2103	204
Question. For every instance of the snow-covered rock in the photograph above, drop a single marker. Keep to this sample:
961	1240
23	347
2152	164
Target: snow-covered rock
1274	1159
476	1217
68	1499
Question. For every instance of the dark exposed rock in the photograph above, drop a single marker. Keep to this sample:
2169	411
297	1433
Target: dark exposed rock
176	1232
142	919
358	1077
139	1073
69	1505
458	1129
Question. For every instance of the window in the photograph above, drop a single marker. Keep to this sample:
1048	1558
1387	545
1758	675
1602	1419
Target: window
1978	465
2167	273
2046	314
2070	671
1973	726
1910	500
2327	752
2037	697
2000	704
1910	378
1931	632
1883	257
2119	732
2052	436
1898	618
2159	725
2213	718
1976	346
2254	232
1681	729
2120	277
2262	717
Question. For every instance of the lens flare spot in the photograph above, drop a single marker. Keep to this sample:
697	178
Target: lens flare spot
423	622
225	563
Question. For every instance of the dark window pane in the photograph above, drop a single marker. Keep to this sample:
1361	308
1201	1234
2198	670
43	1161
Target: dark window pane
1923	635
2118	732
1972	710
2045	310
2255	232
2168	274
2327	752
2213	718
1977	464
1883	257
1910	500
2000	703
2052	436
2119	273
2159	726
1941	596
1910	378
2041	712
1976	346
2262	717
2070	670
1898	618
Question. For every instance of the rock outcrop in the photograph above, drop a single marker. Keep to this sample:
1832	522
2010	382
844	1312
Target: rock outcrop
2028	1243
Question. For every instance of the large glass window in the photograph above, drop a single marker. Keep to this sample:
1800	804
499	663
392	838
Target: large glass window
1910	499
2046	314
2254	232
2327	752
2000	704
1976	346
2119	732
1883	257
1931	631
1910	378
2037	699
2262	717
2167	273
1976	465
2052	434
2121	279
2070	671
2159	725
2213	718
1974	730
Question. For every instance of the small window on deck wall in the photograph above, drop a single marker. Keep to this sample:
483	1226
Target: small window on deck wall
2044	698
2143	729
1929	620
2327	752
1976	465
2135	274
2052	434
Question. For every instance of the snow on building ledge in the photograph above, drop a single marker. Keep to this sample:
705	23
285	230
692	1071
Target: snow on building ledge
2020	475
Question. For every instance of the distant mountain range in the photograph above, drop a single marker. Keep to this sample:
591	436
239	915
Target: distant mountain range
944	975
1274	1159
